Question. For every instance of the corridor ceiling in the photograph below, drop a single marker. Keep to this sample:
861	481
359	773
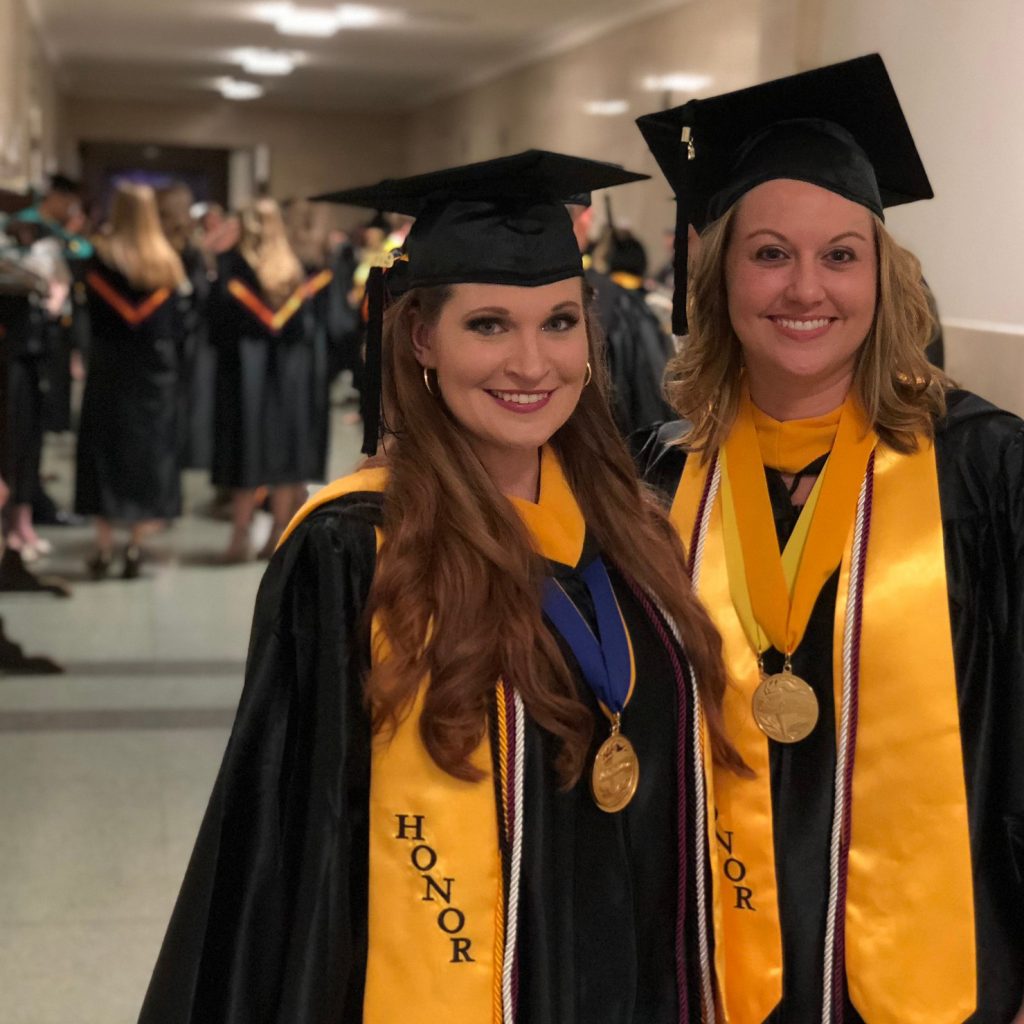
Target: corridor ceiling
179	49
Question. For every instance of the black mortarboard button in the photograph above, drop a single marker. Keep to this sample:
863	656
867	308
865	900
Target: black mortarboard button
500	221
839	127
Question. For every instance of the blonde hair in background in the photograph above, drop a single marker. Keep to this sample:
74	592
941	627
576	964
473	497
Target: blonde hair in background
136	245
264	246
306	224
900	390
174	204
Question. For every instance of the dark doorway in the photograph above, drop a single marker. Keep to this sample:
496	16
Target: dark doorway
204	170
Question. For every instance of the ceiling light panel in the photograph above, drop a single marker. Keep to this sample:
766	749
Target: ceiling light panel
239	89
606	108
680	81
266	62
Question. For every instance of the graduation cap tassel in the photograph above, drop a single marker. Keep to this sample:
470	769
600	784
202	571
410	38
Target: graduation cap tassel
372	369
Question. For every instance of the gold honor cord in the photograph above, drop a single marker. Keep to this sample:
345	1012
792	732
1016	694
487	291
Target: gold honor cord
784	705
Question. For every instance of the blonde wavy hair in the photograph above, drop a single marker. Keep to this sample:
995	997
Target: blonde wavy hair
264	246
135	243
902	393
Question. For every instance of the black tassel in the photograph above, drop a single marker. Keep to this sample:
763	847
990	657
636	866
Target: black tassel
372	368
680	326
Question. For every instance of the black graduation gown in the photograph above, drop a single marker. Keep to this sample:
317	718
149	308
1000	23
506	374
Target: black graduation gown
271	922
270	414
198	367
127	464
980	461
636	349
23	343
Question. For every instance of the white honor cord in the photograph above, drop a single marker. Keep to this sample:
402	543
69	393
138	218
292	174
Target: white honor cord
701	836
515	868
843	752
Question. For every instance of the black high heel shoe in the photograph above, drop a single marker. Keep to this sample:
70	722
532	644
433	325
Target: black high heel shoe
132	562
99	564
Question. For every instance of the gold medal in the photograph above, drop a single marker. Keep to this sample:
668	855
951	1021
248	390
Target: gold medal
616	772
785	707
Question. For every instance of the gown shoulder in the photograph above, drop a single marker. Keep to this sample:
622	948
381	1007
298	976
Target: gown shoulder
277	878
660	456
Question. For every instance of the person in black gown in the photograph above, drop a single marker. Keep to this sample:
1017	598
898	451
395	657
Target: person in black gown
424	811
856	524
270	418
127	462
197	359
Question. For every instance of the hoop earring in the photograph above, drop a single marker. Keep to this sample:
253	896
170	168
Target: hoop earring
426	383
589	376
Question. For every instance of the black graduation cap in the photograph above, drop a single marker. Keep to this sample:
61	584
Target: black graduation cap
500	221
840	127
496	222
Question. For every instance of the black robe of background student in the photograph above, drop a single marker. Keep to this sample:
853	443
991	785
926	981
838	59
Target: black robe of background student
271	923
23	351
636	350
271	407
198	367
980	458
128	438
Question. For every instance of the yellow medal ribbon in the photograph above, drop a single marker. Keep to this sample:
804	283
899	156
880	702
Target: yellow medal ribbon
780	609
436	901
909	937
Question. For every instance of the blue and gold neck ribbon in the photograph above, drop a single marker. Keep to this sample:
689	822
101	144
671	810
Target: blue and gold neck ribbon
605	659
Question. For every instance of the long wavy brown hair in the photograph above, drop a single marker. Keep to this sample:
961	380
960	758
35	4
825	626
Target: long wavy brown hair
458	585
901	392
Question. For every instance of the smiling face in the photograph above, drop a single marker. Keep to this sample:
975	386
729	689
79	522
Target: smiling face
801	277
510	363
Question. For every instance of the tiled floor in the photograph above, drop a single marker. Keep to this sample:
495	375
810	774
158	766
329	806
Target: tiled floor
105	770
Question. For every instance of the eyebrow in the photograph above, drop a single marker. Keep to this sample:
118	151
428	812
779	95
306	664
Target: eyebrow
783	238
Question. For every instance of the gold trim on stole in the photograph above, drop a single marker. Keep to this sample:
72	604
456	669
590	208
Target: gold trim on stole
910	943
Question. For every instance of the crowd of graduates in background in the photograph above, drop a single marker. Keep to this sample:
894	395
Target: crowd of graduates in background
209	340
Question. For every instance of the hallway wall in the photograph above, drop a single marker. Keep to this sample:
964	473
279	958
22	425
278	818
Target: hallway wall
310	151
30	106
957	67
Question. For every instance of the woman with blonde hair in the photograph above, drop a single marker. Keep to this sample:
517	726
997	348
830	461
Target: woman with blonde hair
127	465
856	529
270	417
463	784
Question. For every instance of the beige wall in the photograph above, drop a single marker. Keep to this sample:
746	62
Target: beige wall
540	106
310	152
29	102
959	70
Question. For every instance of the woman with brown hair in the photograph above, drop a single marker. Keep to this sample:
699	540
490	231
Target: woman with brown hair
856	525
127	463
270	417
465	783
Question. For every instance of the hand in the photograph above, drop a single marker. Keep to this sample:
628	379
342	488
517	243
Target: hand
5	492
77	365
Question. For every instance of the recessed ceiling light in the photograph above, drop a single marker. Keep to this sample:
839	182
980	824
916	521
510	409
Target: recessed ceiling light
677	82
239	89
292	20
606	108
265	62
361	16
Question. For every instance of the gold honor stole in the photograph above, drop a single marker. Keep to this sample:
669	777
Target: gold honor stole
132	314
275	320
908	916
439	940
